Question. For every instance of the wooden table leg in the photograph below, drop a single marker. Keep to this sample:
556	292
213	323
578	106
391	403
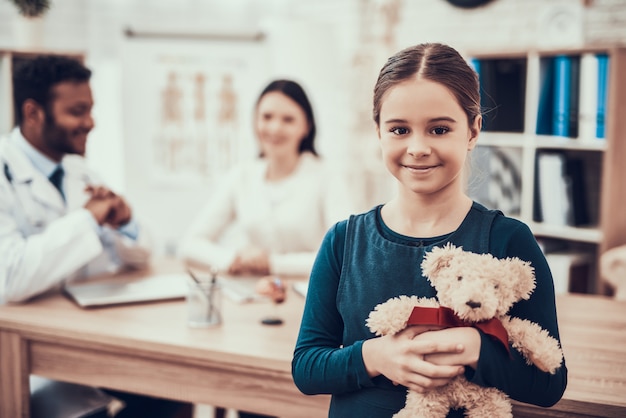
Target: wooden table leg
14	376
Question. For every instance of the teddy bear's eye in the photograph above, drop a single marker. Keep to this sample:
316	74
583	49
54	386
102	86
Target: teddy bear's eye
459	278
495	286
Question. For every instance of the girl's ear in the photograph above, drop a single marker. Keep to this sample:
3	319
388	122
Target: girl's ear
474	132
377	130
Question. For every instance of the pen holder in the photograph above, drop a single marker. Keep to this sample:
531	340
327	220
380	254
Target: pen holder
204	304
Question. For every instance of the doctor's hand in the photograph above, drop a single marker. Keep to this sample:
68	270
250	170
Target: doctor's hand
107	207
401	358
99	208
119	214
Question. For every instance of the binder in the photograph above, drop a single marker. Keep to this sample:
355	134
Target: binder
562	85
574	97
502	98
554	189
588	103
546	96
603	75
575	172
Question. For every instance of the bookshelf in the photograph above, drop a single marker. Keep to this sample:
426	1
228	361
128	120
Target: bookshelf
8	59
524	95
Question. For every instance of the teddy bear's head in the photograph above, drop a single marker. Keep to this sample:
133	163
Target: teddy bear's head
477	287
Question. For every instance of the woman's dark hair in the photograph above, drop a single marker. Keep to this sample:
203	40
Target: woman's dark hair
34	79
435	62
296	93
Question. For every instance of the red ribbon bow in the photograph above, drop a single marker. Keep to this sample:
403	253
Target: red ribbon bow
446	317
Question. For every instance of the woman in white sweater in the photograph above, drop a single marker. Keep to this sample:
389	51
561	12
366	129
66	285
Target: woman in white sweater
269	216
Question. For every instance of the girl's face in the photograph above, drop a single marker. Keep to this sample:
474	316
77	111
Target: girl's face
425	136
281	124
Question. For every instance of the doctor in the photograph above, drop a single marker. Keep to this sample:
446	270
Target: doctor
57	221
48	235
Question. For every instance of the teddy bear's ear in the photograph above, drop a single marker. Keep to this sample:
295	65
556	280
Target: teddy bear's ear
525	275
438	259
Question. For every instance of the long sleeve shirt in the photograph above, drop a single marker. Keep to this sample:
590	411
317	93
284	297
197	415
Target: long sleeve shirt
362	263
286	218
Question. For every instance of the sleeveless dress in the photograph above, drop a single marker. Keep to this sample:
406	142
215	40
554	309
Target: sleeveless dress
373	250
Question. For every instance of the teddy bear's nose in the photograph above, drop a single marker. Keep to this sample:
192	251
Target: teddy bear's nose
472	304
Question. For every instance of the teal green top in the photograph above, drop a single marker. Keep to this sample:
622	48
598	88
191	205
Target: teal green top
362	263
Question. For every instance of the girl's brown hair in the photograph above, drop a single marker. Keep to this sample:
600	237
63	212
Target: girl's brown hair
431	61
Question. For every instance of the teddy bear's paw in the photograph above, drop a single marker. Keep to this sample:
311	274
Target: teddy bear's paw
535	344
548	360
392	316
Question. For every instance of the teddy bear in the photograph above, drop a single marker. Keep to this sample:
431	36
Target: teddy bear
472	290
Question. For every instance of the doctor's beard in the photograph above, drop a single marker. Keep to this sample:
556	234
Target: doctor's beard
62	139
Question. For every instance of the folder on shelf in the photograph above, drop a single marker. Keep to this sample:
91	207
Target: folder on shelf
588	103
574	97
562	90
603	79
561	196
575	172
503	89
546	96
554	189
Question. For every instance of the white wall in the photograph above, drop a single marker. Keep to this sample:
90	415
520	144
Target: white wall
333	47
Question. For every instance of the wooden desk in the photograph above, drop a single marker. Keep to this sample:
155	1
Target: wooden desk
593	336
242	364
149	349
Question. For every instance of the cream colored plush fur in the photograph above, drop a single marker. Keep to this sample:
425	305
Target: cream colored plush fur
496	284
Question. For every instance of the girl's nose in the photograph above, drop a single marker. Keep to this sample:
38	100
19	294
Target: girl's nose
418	146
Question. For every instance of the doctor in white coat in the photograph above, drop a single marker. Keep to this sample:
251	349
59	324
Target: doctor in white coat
49	235
57	221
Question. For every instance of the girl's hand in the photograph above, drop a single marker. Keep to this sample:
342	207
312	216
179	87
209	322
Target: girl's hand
400	358
468	337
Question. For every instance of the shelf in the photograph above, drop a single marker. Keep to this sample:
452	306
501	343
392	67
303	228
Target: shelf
516	140
582	176
570	233
557	142
502	139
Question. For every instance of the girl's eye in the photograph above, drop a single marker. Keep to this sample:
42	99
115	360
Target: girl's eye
399	131
440	130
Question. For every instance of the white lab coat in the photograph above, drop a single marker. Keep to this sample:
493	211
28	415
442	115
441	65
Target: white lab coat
44	240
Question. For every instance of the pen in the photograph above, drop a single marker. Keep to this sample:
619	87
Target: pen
193	276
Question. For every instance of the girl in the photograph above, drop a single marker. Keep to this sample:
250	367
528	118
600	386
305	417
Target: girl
427	115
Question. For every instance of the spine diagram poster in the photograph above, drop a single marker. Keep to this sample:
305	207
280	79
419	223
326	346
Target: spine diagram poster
188	107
